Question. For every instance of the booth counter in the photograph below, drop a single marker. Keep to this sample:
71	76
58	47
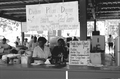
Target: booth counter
57	72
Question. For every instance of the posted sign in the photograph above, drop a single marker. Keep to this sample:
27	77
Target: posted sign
79	53
56	16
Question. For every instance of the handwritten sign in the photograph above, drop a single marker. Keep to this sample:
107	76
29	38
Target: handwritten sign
54	16
79	52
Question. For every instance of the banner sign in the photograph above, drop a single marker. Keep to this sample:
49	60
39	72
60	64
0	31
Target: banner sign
79	53
56	16
23	27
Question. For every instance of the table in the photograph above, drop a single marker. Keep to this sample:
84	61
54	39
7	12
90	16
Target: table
56	72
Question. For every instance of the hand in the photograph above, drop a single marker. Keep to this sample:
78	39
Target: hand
59	55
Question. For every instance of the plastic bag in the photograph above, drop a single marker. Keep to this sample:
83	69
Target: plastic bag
47	61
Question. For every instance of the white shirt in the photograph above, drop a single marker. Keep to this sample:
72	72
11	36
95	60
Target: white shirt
38	52
110	39
34	45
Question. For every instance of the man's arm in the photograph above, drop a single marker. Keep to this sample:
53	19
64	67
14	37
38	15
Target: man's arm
36	58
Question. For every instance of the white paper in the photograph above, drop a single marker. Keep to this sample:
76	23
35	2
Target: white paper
53	16
79	53
47	61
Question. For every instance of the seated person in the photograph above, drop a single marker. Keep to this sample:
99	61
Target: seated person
58	51
41	52
8	51
6	48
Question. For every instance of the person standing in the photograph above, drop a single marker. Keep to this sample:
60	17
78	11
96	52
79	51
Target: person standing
31	40
60	52
25	43
41	52
17	41
110	42
33	44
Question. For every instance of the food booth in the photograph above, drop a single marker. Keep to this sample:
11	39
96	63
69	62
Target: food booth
53	17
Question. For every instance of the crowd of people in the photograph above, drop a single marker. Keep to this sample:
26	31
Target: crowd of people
38	49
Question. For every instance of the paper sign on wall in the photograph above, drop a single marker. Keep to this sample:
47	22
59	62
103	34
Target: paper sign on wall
79	53
55	16
23	27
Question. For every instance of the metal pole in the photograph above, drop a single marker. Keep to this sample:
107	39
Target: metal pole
95	25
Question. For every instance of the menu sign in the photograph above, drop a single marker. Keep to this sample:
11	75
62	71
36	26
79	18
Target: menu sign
55	16
79	53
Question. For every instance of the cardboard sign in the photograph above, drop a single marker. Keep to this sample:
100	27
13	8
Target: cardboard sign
98	42
79	60
79	53
54	16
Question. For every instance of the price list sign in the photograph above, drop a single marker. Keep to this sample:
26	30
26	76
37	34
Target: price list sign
79	53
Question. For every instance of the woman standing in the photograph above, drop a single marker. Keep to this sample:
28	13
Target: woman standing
41	52
60	52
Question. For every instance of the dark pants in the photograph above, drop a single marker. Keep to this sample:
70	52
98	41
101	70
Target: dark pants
110	44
